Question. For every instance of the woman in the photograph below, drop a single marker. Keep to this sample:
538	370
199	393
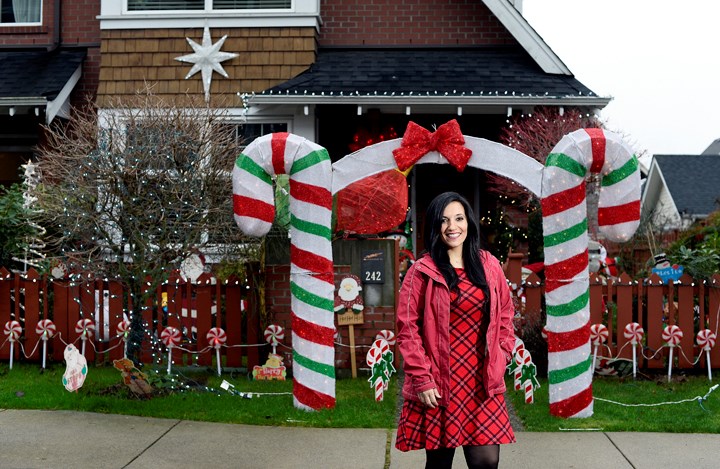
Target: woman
456	337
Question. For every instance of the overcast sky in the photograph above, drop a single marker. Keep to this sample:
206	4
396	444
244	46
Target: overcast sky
658	60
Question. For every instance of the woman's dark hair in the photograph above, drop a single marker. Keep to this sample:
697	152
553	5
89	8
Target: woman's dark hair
471	247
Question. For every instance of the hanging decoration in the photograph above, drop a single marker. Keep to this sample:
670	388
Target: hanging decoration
447	140
374	204
206	59
565	231
311	271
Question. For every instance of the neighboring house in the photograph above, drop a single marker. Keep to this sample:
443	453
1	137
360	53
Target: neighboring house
681	189
343	73
49	59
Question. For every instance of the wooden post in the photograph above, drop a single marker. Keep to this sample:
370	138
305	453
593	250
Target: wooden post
350	318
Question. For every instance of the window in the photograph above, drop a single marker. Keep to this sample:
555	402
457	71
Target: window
149	5
246	133
20	11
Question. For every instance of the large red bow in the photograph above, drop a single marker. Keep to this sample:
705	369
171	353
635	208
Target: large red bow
418	141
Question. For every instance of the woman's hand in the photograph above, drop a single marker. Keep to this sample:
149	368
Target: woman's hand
430	397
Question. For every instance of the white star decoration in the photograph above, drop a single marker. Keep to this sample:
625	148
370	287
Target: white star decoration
207	57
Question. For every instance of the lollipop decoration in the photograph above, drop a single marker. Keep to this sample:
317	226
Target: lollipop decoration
706	341
216	337
566	239
171	337
598	335
123	330
672	335
86	329
311	271
46	330
274	334
634	333
13	330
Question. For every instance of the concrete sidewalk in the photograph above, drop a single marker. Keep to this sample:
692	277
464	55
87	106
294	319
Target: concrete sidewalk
64	439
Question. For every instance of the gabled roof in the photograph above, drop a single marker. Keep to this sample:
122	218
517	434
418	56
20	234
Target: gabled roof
39	77
692	181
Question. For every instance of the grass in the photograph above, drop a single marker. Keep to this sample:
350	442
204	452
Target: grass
687	417
195	394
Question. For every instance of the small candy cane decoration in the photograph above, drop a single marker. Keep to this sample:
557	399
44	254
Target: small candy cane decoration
86	329
565	233
706	341
672	335
46	330
171	337
598	335
522	358
387	335
216	337
312	282
13	330
634	333
374	357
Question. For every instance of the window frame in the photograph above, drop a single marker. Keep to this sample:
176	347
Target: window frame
208	8
23	24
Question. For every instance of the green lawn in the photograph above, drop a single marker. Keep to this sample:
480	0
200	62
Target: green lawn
195	395
625	415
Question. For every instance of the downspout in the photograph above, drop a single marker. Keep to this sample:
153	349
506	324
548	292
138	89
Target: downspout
56	27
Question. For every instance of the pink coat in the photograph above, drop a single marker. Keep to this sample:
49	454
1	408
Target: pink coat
423	325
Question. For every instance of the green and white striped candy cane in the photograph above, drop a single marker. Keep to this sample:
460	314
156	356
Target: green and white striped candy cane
565	231
311	270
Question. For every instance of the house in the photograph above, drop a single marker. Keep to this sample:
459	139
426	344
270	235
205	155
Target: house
49	57
681	189
343	73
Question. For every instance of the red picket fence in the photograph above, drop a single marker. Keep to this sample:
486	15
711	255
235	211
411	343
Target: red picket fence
194	308
691	305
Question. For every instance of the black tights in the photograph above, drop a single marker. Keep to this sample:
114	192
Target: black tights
476	457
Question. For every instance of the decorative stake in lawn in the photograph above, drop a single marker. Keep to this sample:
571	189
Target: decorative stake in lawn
273	367
171	337
86	328
705	340
598	335
349	308
380	360
123	330
634	333
46	329
672	335
217	337
12	330
76	368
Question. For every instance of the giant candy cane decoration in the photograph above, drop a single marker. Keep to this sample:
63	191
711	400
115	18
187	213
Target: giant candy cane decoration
311	271
566	252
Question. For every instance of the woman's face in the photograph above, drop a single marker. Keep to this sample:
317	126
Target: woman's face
454	226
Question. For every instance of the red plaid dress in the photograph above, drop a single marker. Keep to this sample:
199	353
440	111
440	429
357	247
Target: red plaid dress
468	419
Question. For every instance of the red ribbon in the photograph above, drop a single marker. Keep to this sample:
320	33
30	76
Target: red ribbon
446	140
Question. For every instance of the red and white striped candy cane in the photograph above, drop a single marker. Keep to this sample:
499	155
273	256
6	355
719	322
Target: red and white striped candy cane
388	335
706	341
522	358
311	272
529	392
13	330
216	337
566	252
373	356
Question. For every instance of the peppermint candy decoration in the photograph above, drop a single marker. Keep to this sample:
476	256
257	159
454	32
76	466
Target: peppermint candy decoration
387	335
672	335
274	334
85	327
598	334
706	339
13	330
45	328
216	337
123	328
634	333
171	337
